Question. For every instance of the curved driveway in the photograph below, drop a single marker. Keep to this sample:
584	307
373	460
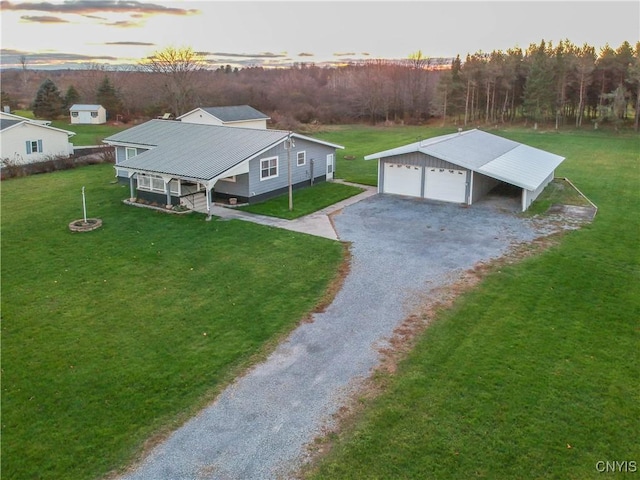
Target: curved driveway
259	426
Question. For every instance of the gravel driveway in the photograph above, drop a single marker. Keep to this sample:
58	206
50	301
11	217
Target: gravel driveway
259	426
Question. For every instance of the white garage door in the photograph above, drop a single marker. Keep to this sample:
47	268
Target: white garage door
445	184
402	179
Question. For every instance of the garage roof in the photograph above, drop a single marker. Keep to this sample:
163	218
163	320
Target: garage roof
494	156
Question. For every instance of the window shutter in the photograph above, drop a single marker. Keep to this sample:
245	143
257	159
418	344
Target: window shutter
28	147
40	146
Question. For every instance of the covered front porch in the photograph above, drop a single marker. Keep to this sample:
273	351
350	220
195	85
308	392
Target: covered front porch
170	191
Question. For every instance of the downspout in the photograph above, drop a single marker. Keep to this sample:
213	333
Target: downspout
311	162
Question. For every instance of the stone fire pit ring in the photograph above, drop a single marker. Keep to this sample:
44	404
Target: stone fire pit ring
82	226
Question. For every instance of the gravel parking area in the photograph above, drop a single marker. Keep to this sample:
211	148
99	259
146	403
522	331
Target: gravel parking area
258	427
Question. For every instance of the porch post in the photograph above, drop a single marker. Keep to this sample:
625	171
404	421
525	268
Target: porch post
168	193
132	196
208	195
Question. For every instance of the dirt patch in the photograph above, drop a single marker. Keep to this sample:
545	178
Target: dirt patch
575	212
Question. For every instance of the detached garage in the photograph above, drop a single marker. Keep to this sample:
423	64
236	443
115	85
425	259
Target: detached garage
463	167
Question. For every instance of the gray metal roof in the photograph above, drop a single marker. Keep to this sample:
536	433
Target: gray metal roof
491	155
235	113
8	123
84	107
5	124
196	151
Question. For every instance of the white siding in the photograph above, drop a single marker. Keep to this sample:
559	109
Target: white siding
481	186
85	118
14	148
528	196
204	118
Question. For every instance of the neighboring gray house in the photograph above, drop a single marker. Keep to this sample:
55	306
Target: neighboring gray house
462	167
234	116
174	162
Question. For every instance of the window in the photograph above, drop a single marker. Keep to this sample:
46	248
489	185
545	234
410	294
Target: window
268	168
156	184
74	114
34	146
144	183
94	114
302	158
130	152
231	179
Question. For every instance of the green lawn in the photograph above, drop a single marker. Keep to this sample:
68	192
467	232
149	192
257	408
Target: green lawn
360	140
533	374
113	336
84	134
305	200
89	134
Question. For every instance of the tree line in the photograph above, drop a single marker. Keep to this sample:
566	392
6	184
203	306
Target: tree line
561	84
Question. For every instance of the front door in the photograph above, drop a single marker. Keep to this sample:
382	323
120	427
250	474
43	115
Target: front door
330	166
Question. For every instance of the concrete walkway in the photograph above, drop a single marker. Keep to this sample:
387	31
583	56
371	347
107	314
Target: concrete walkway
317	223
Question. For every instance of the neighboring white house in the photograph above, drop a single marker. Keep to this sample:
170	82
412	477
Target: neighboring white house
462	167
25	141
88	114
233	116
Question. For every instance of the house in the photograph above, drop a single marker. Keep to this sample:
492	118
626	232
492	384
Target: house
88	114
25	141
175	163
463	167
234	116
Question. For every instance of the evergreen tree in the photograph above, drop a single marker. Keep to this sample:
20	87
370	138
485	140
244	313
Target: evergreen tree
539	94
71	97
108	97
48	102
7	101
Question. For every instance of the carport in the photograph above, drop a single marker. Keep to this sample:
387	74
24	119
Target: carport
463	167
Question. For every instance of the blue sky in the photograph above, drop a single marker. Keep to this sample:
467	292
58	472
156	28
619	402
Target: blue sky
74	33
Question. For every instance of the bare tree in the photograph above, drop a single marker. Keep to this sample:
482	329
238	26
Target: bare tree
24	62
177	68
585	65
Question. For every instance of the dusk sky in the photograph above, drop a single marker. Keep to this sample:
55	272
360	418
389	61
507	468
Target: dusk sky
76	33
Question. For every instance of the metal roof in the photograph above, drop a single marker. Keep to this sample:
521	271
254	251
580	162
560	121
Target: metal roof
85	107
8	123
236	113
196	151
489	154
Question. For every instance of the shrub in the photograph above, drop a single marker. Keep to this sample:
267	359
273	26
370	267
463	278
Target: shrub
12	168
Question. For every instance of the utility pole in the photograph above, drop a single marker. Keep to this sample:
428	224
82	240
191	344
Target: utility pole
289	144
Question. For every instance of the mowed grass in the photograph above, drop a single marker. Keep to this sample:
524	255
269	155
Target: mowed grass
112	337
533	374
84	134
360	141
305	201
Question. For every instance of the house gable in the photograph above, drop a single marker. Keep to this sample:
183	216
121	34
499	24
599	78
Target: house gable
234	116
22	141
